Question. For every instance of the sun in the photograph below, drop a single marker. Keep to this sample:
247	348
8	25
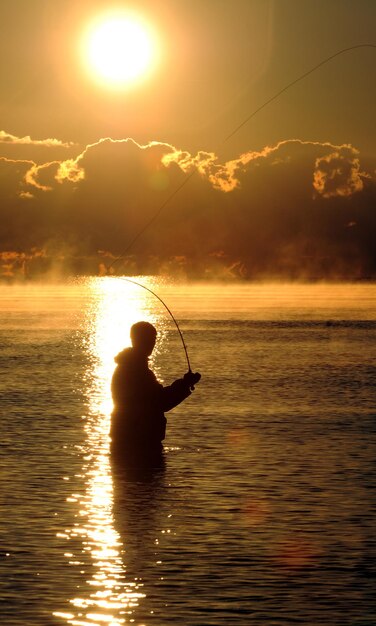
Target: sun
119	50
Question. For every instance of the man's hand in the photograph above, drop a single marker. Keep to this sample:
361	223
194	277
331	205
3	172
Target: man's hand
191	378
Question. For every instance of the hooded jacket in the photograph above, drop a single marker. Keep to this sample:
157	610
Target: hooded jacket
140	401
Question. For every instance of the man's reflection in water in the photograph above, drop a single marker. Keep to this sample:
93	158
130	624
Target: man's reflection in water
139	513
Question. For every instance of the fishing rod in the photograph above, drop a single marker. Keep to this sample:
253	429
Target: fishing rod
134	282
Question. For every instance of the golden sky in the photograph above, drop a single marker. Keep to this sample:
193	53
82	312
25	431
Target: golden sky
295	183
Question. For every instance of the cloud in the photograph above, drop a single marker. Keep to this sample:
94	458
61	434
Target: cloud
12	176
74	169
97	156
48	143
282	210
70	170
26	194
338	173
42	177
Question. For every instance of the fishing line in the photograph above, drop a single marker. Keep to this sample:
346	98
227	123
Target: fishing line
294	82
189	176
236	130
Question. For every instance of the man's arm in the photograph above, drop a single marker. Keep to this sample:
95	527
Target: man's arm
179	390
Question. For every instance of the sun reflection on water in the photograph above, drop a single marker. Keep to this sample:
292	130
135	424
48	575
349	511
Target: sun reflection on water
116	305
107	597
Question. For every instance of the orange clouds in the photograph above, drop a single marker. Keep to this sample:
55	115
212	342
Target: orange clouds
36	174
279	210
13	174
338	173
335	171
335	174
48	143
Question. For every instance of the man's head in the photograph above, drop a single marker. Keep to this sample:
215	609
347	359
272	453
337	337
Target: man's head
143	336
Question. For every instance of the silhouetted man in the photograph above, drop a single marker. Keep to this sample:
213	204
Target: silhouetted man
140	401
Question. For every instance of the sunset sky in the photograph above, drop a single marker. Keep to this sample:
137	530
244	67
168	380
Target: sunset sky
85	163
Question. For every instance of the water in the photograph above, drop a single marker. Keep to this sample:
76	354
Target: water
264	509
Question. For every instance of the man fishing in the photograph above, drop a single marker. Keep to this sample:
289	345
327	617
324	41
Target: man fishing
140	401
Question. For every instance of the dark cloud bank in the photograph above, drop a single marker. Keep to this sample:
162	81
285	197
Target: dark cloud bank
297	210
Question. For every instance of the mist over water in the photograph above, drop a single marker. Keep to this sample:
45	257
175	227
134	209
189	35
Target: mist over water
263	509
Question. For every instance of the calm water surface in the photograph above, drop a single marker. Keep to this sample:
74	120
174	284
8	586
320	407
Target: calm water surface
262	510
